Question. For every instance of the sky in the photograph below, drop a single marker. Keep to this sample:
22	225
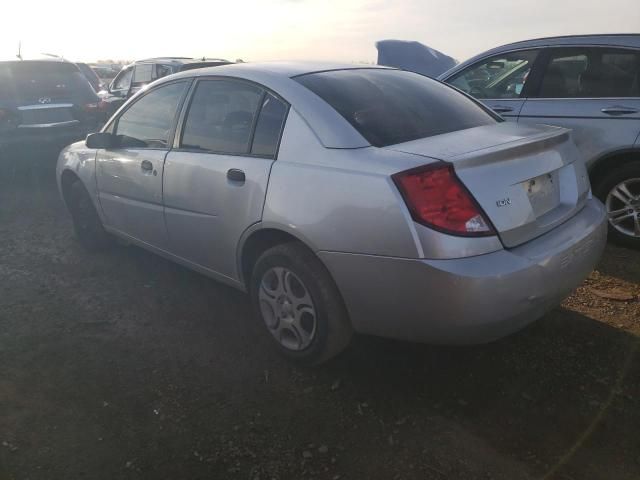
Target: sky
256	30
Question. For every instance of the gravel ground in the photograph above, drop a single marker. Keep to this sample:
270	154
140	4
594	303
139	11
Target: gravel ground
122	365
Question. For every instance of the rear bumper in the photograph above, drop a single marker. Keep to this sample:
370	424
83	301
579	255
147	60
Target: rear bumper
59	136
469	300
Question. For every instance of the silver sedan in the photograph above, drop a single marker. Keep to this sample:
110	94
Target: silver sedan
343	199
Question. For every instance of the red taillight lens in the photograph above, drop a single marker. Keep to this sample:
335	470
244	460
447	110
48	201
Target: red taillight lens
438	199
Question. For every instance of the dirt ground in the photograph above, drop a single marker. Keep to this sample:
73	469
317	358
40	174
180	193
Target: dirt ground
122	365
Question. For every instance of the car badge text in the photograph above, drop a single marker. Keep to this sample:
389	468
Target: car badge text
503	202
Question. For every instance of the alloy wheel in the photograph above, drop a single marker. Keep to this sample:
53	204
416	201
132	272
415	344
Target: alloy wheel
287	308
623	207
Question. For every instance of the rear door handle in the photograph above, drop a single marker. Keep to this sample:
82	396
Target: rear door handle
236	175
146	166
617	110
501	109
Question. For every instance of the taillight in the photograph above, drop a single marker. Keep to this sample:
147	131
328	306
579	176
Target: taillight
437	199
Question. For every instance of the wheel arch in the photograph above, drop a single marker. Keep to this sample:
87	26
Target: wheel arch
599	169
260	238
67	178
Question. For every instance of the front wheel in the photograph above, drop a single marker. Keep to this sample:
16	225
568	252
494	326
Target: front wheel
296	299
620	193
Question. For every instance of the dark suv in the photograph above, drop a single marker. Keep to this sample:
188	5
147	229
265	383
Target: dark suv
137	75
45	102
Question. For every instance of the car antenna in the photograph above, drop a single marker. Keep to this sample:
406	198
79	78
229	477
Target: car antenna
19	55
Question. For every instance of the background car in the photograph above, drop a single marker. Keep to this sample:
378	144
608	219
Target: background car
343	198
45	102
588	83
135	76
91	76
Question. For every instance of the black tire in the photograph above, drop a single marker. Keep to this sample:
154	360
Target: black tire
605	185
86	221
332	327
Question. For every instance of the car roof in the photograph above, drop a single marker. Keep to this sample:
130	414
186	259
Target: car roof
617	40
38	60
331	128
179	60
631	40
283	69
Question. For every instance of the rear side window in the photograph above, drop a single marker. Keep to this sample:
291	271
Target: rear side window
148	122
591	73
29	82
221	117
392	106
269	126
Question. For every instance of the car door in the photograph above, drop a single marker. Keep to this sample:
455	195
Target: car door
499	81
129	176
215	179
592	90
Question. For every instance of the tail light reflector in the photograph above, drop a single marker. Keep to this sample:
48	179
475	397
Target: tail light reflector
437	199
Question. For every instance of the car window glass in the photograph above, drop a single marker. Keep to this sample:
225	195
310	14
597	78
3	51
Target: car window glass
393	106
57	82
143	73
269	126
123	81
501	76
162	71
591	73
147	123
221	116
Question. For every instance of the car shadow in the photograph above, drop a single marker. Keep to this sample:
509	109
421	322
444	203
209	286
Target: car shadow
564	385
125	362
621	263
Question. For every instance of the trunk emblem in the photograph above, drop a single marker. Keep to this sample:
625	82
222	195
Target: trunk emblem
503	202
44	100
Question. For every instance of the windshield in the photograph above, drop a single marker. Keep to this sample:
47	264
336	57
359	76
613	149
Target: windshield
393	106
28	81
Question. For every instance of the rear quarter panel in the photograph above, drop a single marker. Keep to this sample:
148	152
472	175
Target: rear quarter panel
339	199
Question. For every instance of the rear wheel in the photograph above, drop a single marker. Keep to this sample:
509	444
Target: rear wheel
296	299
620	193
86	221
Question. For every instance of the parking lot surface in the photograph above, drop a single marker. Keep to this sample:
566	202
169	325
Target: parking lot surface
124	365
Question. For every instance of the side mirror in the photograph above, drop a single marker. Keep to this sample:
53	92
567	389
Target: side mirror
100	140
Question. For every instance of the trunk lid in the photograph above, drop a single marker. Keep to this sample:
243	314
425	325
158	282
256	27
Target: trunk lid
528	179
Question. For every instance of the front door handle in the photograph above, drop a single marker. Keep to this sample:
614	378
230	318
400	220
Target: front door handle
236	175
617	110
501	109
146	166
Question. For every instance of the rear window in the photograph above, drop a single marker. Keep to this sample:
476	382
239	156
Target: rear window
393	106
27	82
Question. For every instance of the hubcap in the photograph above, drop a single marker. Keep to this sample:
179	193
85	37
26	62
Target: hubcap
623	207
287	308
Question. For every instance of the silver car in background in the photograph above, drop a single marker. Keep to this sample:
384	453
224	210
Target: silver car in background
588	83
343	199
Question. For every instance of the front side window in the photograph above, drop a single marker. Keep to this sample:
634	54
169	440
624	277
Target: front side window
123	80
392	106
148	122
502	76
591	73
221	117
